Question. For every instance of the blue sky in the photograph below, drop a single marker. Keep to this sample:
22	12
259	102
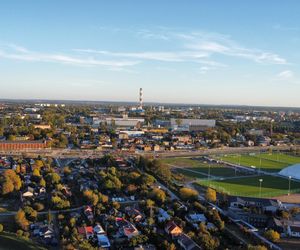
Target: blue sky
206	52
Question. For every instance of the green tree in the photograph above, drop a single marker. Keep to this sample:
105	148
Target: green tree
30	213
90	197
211	195
10	181
36	172
21	220
188	193
258	247
158	195
53	178
272	235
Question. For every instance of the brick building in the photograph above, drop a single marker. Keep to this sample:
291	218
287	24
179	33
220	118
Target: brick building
15	145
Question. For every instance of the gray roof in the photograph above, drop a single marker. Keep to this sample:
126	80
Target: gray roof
194	122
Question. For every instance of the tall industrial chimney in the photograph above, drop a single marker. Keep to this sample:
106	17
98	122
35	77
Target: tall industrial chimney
141	99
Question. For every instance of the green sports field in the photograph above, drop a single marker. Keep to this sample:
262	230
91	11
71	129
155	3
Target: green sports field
266	162
199	169
249	186
280	157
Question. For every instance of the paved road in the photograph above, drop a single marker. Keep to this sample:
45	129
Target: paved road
82	153
76	209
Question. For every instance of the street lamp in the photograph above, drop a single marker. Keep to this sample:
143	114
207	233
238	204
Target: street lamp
259	164
290	177
208	176
260	182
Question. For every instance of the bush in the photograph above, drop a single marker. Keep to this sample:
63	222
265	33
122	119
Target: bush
38	206
188	194
19	233
211	195
272	235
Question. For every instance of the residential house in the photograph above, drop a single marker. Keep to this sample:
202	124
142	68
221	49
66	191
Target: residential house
98	229
103	241
172	229
163	215
86	232
126	228
88	212
195	219
133	213
293	229
28	193
187	243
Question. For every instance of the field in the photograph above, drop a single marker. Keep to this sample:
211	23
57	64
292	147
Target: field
199	169
11	242
249	186
266	162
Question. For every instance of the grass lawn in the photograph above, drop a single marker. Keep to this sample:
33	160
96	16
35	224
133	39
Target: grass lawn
200	167
183	162
190	174
249	186
11	242
255	160
288	159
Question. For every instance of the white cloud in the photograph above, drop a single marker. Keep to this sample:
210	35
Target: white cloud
19	53
285	75
179	56
191	46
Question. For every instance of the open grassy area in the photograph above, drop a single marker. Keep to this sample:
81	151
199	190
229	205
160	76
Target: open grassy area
280	157
249	186
199	169
190	174
183	162
12	242
258	161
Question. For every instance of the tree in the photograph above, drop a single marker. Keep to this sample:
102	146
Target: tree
103	198
217	219
116	205
20	233
272	235
11	138
209	242
7	186
149	203
258	247
30	213
39	164
211	195
158	195
10	182
43	182
36	172
137	240
67	170
90	197
21	220
59	203
146	179
53	178
38	206
188	193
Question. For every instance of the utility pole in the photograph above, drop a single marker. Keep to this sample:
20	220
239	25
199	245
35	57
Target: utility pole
290	177
208	176
260	182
